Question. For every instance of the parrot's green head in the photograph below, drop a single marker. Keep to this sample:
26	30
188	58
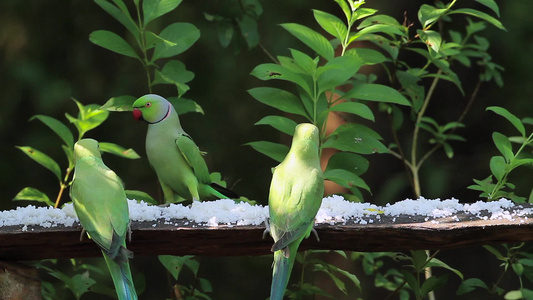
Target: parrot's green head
86	147
151	108
306	138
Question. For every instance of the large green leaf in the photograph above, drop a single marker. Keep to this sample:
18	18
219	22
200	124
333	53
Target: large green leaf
118	150
497	166
331	24
184	105
121	14
491	4
510	117
112	41
428	14
119	103
32	194
174	72
348	161
345	178
376	92
89	117
356	108
504	145
59	128
273	150
43	159
248	28
471	284
174	264
280	123
274	71
336	72
140	196
312	39
431	38
280	99
153	9
355	138
175	39
479	14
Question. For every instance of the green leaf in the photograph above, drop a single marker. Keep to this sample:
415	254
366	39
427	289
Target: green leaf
248	27
174	264
428	14
140	196
89	117
120	15
431	38
504	145
42	159
376	28
355	138
379	19
153	9
59	128
491	4
510	117
119	103
345	178
312	39
433	283
184	105
410	84
471	284
356	108
280	123
495	252
338	283
348	161
80	284
118	150
225	33
345	8
498	166
479	14
174	72
336	72
366	56
274	71
273	150
112	41
376	92
331	24
303	61
32	194
419	258
435	262
279	99
179	37
411	281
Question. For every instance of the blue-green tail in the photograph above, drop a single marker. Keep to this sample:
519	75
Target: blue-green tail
121	275
281	273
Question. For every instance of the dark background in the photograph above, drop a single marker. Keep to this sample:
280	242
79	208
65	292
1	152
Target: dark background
46	58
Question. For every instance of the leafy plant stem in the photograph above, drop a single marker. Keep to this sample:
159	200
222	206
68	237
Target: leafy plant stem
62	186
144	61
414	166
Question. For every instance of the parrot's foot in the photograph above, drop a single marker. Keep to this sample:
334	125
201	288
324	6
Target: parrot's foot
316	234
267	228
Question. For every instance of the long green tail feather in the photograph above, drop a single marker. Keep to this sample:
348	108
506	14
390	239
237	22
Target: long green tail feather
122	279
282	271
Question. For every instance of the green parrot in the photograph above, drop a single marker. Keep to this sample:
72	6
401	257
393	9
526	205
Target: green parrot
102	208
296	193
176	159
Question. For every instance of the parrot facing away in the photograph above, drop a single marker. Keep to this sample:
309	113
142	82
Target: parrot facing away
296	193
102	208
176	159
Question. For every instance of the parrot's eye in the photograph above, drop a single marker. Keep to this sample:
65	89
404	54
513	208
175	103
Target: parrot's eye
148	104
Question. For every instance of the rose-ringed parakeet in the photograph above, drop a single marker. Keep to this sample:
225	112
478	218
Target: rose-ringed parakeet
102	208
296	193
176	159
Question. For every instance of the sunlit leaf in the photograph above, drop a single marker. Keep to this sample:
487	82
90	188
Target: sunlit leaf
345	178
280	99
140	196
479	14
120	15
497	166
33	194
180	37
112	41
118	150
356	108
280	123
510	117
331	24
184	105
153	9
376	92
312	39
119	103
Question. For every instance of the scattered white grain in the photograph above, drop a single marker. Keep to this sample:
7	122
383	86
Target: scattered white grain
334	209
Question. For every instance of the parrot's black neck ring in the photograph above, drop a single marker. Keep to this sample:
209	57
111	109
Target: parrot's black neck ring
166	115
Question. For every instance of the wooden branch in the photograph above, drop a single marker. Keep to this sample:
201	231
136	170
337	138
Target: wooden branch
181	237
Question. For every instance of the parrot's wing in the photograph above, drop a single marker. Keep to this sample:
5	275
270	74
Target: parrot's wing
194	158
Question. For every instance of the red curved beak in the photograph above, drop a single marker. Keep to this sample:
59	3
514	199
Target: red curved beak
137	114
